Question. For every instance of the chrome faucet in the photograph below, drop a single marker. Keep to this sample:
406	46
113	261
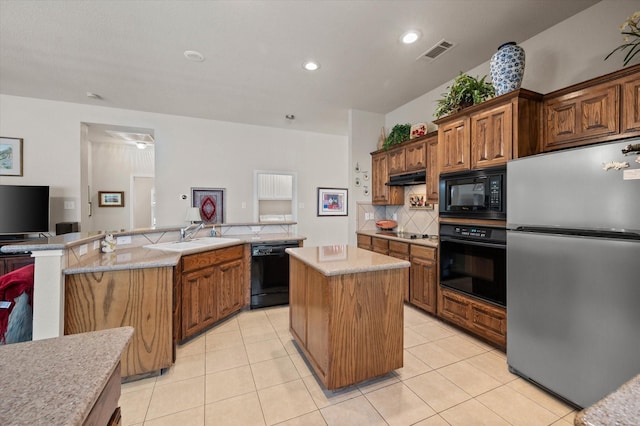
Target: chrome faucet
183	231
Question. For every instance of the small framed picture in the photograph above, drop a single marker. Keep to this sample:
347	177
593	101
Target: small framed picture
332	201
10	156
210	202
111	198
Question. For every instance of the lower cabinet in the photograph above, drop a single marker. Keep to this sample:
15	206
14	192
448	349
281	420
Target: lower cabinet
423	278
483	319
212	287
140	298
400	250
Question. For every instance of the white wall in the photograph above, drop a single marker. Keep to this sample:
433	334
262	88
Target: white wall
567	53
364	131
189	153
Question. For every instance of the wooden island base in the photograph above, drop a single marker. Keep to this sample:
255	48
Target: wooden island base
349	325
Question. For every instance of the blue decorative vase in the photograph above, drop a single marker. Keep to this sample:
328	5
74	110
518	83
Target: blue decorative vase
507	68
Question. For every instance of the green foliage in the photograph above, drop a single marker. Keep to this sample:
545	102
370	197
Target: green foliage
398	134
630	29
465	91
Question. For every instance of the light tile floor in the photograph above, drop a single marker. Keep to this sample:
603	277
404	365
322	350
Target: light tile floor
248	371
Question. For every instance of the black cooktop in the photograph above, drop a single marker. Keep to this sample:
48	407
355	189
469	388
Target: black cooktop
405	235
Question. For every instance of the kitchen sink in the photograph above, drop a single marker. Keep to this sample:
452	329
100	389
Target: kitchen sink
194	245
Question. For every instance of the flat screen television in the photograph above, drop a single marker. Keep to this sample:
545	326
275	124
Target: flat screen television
24	209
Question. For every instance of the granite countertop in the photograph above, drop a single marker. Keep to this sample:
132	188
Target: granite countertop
429	242
57	381
342	259
621	407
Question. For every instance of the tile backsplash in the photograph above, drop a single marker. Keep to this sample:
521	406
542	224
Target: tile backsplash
415	220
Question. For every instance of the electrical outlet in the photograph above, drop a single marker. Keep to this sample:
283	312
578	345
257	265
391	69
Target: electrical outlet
83	249
255	229
244	204
125	239
394	216
69	205
96	244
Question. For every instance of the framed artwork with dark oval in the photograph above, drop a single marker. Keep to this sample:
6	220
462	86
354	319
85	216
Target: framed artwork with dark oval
210	203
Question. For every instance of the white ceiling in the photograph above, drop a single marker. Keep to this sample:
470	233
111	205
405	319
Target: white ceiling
131	53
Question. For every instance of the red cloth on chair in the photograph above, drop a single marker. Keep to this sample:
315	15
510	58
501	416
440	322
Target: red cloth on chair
13	285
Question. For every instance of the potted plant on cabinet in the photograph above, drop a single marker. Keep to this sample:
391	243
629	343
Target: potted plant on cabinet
465	91
399	133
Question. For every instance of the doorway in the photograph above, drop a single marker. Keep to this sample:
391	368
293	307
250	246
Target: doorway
117	159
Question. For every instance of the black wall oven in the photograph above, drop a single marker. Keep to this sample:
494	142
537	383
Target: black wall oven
473	261
474	194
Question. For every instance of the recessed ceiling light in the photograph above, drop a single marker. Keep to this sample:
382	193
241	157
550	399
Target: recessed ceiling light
290	117
410	37
93	95
141	145
193	55
311	66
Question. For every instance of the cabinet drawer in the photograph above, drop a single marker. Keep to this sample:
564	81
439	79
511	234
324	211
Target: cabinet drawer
423	252
454	308
364	242
489	322
398	249
381	245
208	258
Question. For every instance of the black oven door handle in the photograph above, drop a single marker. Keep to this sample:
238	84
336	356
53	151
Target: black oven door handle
472	242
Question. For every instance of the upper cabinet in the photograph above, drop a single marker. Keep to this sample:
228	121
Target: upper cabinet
491	133
382	194
598	110
409	156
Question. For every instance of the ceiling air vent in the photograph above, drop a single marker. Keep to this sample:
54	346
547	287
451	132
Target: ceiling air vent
437	50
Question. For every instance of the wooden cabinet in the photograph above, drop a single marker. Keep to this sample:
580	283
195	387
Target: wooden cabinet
433	181
364	242
631	105
397	161
382	194
491	136
416	156
602	109
483	319
140	298
12	262
380	245
454	145
400	250
423	277
586	114
491	133
212	287
349	326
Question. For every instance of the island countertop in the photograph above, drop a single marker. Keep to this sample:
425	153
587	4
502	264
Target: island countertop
343	259
57	381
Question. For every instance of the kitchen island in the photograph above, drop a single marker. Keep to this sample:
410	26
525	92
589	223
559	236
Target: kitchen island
346	311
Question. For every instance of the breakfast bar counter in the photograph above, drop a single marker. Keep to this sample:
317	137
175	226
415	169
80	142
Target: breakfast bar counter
346	311
70	380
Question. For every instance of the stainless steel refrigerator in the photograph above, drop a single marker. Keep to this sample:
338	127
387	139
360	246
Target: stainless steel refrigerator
573	271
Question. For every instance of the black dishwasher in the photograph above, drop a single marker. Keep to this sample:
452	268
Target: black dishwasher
270	273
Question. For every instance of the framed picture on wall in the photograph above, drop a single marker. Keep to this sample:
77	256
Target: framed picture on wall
111	198
332	201
10	156
210	202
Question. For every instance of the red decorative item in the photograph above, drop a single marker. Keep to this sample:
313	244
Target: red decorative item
208	208
210	203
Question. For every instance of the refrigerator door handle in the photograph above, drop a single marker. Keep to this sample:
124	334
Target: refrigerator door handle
592	233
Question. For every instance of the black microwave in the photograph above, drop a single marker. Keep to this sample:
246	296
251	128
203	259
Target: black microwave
474	194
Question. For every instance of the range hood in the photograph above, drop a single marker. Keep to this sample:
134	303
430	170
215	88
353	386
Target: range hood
417	178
